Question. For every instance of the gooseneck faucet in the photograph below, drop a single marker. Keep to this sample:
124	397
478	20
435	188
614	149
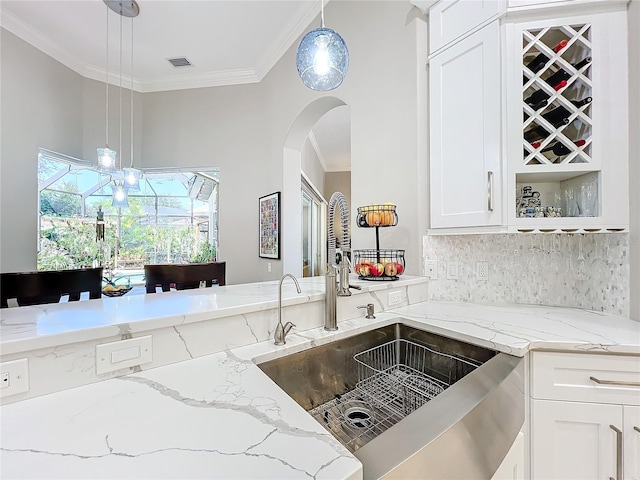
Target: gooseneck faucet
282	330
337	262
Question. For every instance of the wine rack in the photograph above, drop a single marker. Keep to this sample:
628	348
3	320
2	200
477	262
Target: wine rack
557	83
378	265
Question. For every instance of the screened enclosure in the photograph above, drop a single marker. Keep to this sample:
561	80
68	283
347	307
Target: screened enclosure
171	219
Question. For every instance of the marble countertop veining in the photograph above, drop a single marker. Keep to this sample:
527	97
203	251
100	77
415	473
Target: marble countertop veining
219	416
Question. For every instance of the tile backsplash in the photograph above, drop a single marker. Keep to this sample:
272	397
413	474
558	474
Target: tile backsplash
589	271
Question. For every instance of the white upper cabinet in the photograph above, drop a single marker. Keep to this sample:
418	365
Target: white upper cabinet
567	85
529	118
451	19
465	129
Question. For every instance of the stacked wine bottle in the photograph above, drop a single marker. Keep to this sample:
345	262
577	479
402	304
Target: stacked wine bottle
557	95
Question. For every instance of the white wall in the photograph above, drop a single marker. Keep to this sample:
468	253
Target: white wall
338	182
41	107
241	129
634	154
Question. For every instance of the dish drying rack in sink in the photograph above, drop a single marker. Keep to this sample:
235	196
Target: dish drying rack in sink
403	375
395	379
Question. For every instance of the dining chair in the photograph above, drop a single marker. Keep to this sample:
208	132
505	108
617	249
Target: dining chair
35	288
184	277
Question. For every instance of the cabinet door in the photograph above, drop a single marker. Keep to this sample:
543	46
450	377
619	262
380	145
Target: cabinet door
465	148
451	19
572	440
631	442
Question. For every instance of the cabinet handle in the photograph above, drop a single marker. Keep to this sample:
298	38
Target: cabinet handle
637	429
614	382
619	474
490	191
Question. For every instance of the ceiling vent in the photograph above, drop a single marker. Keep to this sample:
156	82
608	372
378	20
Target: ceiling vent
180	62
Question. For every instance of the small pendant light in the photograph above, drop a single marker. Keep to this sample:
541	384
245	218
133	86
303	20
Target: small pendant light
322	58
106	156
132	175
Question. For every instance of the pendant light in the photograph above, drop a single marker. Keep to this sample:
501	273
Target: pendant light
106	156
322	58
132	175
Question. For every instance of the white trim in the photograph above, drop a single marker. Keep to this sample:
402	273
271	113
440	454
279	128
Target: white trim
313	188
316	148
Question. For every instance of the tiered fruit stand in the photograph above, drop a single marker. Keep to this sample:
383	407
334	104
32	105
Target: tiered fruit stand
378	264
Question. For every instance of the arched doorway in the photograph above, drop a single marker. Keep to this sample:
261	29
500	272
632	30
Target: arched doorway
292	164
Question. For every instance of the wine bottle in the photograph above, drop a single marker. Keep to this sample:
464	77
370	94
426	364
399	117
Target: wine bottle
558	116
539	95
581	103
582	63
560	149
541	59
558	77
538	132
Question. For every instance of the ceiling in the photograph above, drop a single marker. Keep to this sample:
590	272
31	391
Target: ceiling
228	42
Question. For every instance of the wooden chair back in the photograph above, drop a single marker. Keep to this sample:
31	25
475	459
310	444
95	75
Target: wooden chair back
184	276
35	288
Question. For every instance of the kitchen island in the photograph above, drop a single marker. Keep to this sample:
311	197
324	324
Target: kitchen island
219	416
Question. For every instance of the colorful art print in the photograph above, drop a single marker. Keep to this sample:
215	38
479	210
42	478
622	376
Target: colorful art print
269	211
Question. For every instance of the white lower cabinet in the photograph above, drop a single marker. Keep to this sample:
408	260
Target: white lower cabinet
585	416
574	440
631	430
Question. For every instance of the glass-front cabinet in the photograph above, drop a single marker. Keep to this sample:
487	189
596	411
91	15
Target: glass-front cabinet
567	141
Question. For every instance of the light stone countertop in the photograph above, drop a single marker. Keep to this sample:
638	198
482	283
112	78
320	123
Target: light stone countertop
219	416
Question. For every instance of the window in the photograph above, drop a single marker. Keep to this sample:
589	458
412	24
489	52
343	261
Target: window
313	231
172	219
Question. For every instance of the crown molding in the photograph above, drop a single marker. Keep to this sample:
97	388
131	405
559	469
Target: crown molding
164	83
33	37
211	79
269	60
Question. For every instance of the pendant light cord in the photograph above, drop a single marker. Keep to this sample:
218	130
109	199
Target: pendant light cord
322	13
131	93
106	86
120	155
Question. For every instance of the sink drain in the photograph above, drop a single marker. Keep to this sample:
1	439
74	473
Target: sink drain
359	417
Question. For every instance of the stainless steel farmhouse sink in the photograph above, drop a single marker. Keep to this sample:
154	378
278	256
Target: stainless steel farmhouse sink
409	403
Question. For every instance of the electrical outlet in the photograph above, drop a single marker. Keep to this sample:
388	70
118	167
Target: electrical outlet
14	376
452	271
394	298
482	271
431	269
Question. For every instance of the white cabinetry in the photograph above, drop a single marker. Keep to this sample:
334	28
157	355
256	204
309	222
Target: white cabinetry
585	416
452	19
489	142
566	129
465	149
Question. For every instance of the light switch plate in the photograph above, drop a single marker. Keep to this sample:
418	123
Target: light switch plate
123	353
15	377
452	271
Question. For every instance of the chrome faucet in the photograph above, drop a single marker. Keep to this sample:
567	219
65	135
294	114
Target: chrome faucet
337	287
282	330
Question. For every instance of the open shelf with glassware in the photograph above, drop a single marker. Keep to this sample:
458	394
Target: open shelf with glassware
566	159
378	264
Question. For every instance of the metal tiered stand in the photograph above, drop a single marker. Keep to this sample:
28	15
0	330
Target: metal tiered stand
378	264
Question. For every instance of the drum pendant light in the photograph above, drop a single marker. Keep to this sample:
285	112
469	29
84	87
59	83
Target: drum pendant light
322	58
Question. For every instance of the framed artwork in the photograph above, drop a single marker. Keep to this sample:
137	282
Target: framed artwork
269	207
